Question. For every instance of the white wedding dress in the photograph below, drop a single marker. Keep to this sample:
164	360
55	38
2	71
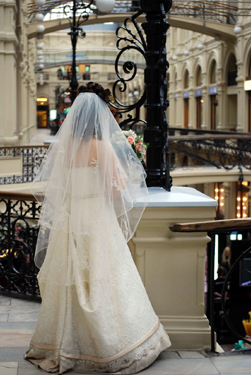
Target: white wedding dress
102	320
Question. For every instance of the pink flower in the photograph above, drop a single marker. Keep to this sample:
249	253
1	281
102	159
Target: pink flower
138	147
130	140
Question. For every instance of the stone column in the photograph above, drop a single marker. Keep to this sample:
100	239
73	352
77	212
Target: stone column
192	109
179	109
220	108
8	42
205	104
172	265
242	121
227	200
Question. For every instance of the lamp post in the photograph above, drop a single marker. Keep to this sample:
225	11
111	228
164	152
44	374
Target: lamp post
77	14
155	133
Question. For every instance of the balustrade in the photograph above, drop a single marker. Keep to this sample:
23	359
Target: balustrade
19	214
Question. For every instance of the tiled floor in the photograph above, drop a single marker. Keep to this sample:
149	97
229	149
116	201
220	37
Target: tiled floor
18	321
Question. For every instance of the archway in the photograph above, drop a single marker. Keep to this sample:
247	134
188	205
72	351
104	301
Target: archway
231	70
232	97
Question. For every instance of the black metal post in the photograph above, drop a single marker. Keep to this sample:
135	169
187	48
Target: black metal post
155	134
74	38
212	292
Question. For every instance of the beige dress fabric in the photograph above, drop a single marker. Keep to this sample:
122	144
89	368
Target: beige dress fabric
102	321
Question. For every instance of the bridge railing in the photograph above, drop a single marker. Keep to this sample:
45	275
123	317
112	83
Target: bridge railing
218	11
88	76
194	148
206	10
89	57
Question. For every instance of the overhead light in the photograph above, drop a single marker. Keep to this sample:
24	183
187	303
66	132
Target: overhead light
40	3
40	28
42	99
105	6
39	17
200	46
175	58
237	29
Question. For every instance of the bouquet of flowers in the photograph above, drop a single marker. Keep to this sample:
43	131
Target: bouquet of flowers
137	143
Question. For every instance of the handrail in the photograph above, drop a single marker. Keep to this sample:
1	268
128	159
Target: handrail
24	147
213	225
17	196
208	137
204	131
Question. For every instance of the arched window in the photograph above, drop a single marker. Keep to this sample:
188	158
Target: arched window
186	80
198	77
231	70
213	72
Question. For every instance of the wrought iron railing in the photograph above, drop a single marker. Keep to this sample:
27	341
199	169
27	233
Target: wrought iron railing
93	76
217	11
225	227
187	147
226	150
31	158
19	214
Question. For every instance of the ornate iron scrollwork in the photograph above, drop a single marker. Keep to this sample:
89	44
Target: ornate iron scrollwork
136	42
218	149
31	156
18	236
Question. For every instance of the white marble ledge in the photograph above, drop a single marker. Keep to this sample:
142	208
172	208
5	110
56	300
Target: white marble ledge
179	196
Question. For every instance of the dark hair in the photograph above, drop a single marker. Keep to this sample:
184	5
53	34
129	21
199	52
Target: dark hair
96	89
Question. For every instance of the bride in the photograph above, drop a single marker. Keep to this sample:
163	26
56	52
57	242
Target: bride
95	314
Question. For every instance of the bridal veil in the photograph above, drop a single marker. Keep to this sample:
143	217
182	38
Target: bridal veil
89	138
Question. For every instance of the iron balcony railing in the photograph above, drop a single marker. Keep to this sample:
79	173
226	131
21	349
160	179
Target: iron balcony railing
227	150
187	147
19	214
88	76
226	12
31	157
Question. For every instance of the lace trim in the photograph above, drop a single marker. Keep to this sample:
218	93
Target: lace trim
102	360
48	359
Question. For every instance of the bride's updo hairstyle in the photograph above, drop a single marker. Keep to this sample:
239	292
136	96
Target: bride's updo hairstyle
97	89
81	130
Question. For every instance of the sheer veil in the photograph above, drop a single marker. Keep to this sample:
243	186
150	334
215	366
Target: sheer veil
89	140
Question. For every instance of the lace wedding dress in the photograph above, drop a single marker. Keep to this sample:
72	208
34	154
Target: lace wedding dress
95	314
